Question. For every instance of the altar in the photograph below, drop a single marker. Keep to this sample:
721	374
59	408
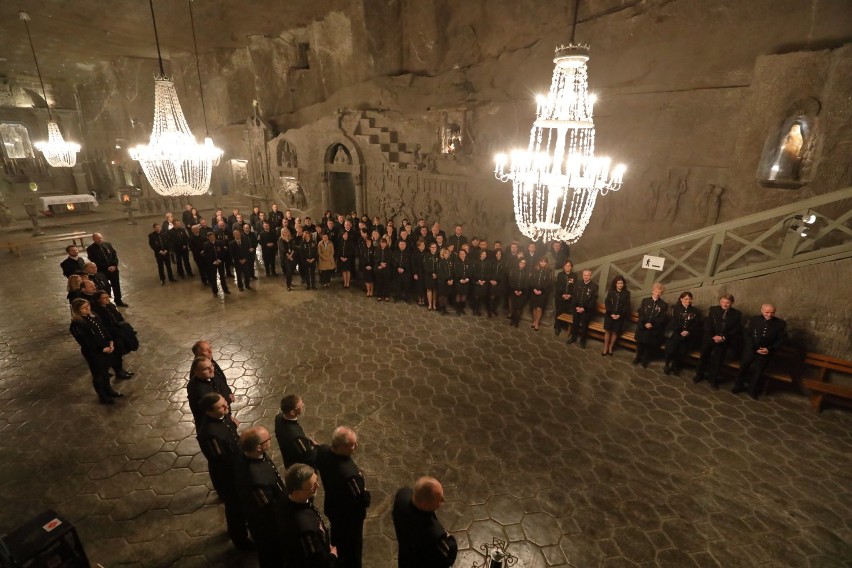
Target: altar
71	203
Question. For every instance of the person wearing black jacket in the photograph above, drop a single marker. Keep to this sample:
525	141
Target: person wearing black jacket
446	276
303	534
481	268
764	335
224	236
178	241
346	496
214	255
681	331
308	255
722	329
197	240
617	312
220	443
518	291
202	380
287	249
295	445
418	271
241	256
101	282
540	285
123	334
268	242
251	237
262	493
496	282
383	269
401	272
563	294
462	270
159	244
368	261
430	275
584	305
276	217
457	239
104	256
346	251
97	347
423	541
651	325
74	263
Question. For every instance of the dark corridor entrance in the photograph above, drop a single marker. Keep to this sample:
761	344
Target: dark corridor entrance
342	189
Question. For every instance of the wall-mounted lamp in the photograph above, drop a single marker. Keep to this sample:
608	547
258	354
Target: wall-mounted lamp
802	224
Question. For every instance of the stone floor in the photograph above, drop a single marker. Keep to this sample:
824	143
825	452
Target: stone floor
575	459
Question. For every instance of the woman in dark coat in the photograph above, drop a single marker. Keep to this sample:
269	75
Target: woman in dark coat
496	282
445	282
479	283
418	271
540	285
309	254
97	347
649	330
368	261
383	270
461	274
346	255
430	275
287	256
518	291
682	328
617	305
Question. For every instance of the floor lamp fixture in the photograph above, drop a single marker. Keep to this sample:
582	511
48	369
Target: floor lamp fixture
57	152
174	162
556	181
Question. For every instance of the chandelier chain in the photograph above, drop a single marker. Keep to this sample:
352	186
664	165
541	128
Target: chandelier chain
26	18
198	70
157	38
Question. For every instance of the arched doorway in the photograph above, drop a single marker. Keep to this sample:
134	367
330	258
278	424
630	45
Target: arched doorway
341	181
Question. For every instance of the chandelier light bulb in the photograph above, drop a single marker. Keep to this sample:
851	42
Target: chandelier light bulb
58	152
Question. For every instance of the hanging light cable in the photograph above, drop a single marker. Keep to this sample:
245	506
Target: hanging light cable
208	142
57	152
557	180
173	161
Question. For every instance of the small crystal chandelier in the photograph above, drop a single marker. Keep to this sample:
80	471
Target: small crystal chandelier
57	152
173	160
557	180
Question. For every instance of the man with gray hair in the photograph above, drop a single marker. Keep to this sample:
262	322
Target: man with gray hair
346	497
423	542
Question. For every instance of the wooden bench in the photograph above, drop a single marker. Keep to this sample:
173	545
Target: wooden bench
820	385
805	371
70	238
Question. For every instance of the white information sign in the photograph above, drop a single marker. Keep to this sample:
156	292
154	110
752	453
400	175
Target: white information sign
653	262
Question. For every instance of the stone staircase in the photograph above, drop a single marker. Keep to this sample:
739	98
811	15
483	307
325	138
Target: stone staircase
399	155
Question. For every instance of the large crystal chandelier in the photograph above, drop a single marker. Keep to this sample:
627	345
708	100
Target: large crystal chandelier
57	152
173	160
557	180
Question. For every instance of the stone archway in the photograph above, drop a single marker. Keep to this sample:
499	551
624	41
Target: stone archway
342	174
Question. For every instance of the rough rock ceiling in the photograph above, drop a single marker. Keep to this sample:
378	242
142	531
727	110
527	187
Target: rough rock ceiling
72	37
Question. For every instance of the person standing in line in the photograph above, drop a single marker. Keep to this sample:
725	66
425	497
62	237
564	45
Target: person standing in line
564	294
540	285
325	251
178	241
584	305
308	255
214	257
423	541
74	263
295	445
267	240
242	258
97	347
197	240
105	258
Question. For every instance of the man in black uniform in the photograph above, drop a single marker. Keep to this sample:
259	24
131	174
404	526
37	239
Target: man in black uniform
423	542
304	536
722	327
346	497
241	257
583	304
563	292
74	263
401	272
90	269
251	237
457	239
197	240
275	217
159	244
764	335
220	443
268	242
179	245
104	256
223	239
214	255
261	492
203	380
205	349
295	445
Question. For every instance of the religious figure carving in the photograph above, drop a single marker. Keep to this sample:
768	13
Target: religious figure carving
287	155
340	156
711	200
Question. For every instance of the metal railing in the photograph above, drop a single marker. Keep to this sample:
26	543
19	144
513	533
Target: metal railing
754	245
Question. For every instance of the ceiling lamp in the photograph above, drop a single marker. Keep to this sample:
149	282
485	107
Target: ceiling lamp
57	152
557	180
173	160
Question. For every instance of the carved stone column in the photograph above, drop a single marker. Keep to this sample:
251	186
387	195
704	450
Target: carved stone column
358	177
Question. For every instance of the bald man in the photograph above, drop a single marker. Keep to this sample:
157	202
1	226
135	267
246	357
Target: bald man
423	542
346	497
106	259
764	335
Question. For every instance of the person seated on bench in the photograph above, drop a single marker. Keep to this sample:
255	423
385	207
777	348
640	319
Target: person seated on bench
721	330
651	324
617	305
764	335
682	329
583	307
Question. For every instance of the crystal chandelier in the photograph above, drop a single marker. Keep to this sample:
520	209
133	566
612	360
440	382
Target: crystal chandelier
173	160
57	152
557	180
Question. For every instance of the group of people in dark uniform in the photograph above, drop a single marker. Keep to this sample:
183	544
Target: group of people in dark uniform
103	334
274	513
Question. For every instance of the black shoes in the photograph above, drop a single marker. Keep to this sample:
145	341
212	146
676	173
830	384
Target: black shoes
162	282
571	340
635	361
173	279
557	331
697	378
121	304
124	375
